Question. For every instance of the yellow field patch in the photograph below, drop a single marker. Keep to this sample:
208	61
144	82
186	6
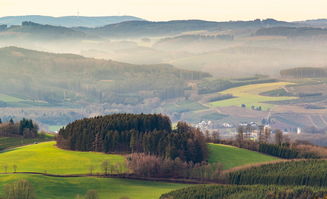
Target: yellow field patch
250	95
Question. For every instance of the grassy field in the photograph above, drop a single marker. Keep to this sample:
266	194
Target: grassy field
250	95
11	142
107	188
54	128
231	156
8	98
46	157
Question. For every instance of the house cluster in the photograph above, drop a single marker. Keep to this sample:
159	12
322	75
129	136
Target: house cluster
205	125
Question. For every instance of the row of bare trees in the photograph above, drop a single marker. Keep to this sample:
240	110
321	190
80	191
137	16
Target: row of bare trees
6	168
153	166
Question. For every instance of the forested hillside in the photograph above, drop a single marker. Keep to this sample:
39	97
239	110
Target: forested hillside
43	79
31	30
245	192
307	72
305	172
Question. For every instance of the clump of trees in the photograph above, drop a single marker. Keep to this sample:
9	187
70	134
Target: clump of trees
153	166
279	145
138	133
25	128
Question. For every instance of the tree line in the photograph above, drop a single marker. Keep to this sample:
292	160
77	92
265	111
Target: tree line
25	128
138	133
285	151
274	143
153	166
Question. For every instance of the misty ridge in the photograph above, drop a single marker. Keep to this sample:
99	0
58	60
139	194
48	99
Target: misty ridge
57	70
235	48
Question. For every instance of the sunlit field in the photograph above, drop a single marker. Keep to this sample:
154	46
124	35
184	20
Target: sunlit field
47	158
250	96
231	156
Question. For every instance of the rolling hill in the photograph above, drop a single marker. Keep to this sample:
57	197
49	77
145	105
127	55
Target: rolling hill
47	158
58	78
107	188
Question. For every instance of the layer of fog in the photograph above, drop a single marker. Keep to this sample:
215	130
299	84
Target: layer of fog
244	55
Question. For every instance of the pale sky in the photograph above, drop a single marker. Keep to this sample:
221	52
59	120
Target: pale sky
158	10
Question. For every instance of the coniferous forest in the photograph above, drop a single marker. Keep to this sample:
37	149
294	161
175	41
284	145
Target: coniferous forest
141	133
296	172
246	192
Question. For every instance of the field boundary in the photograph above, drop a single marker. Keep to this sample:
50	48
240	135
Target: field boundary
119	176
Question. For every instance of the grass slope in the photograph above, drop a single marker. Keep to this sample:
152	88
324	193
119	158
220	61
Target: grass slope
46	157
11	142
231	156
107	188
8	98
250	95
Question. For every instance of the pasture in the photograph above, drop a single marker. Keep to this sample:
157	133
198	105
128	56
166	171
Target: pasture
231	156
47	158
11	142
250	96
107	188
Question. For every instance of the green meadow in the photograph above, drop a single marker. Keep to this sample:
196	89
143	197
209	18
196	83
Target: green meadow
11	142
231	156
107	188
47	158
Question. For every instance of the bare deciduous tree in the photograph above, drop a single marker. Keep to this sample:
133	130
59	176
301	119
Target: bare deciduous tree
105	167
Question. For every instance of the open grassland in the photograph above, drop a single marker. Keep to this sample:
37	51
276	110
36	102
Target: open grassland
231	156
8	98
107	188
11	142
250	95
46	157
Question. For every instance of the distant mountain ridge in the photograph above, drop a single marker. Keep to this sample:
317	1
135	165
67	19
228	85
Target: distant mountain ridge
38	31
68	21
132	28
315	22
292	31
151	28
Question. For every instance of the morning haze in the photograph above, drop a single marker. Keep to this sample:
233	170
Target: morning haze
174	99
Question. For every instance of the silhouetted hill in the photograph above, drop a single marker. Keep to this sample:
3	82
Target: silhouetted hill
148	28
67	21
291	31
39	31
314	22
